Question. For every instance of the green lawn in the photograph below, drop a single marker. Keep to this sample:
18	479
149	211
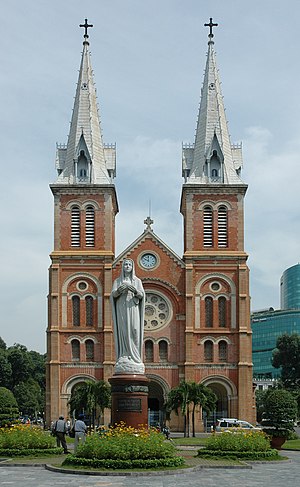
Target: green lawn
189	441
291	445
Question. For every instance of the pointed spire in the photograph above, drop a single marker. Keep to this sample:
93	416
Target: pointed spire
213	159
83	159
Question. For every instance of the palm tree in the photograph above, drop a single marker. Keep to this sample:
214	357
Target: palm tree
88	397
187	393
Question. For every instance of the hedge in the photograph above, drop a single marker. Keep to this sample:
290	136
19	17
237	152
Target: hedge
123	464
245	455
35	452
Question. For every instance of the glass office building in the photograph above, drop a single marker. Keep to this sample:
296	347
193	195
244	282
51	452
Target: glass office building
290	288
267	326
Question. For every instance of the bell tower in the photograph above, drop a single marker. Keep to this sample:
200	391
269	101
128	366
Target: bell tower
218	333
79	334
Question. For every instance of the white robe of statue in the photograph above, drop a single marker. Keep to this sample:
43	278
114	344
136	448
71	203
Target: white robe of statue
128	304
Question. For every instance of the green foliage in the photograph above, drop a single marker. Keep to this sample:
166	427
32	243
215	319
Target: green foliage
29	452
29	397
280	411
8	407
89	397
119	463
24	438
240	441
2	344
5	370
190	394
270	454
287	356
126	443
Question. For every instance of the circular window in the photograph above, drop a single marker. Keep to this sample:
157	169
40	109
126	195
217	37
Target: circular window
215	286
158	311
82	285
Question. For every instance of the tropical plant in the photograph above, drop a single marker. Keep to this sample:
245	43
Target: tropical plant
280	411
89	398
189	394
9	412
287	356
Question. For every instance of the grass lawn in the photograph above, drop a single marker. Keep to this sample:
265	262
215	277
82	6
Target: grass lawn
189	441
291	445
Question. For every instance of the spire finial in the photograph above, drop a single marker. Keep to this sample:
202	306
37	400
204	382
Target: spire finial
210	25
148	222
86	26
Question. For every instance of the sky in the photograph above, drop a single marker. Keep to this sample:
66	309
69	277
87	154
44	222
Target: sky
148	58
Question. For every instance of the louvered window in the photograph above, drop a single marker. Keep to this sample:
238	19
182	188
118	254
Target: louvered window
163	350
75	226
207	226
76	310
90	226
222	227
208	312
75	349
89	350
89	310
223	351
222	311
148	351
208	351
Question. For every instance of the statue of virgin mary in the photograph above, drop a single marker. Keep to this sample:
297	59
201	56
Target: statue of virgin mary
128	304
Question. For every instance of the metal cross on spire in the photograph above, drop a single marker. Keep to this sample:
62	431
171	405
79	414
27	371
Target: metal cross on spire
86	26
210	25
148	222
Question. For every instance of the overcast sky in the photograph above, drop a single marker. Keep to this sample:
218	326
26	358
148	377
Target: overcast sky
148	58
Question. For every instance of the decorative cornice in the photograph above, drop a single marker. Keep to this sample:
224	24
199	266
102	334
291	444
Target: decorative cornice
161	281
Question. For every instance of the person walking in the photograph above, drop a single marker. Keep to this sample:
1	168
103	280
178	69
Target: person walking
80	431
60	429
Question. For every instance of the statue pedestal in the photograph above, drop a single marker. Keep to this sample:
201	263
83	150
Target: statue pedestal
129	399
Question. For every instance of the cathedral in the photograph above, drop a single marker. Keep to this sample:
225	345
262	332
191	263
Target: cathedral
197	310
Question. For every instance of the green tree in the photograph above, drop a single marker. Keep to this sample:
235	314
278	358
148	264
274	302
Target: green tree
20	362
90	398
189	394
287	356
280	412
5	370
8	407
29	397
2	344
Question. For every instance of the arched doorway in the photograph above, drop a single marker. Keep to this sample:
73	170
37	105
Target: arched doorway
156	414
225	391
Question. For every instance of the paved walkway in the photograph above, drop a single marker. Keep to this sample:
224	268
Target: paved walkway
284	474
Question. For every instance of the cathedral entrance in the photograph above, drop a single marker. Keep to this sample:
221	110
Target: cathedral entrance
156	414
225	405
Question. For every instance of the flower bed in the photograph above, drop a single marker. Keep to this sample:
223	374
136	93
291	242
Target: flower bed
25	440
125	448
251	446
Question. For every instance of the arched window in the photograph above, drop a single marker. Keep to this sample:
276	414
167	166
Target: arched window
222	227
89	301
75	226
76	310
208	312
163	350
208	351
148	351
89	350
214	173
75	349
207	226
90	226
222	311
223	351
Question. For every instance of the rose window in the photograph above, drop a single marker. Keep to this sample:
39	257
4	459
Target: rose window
157	311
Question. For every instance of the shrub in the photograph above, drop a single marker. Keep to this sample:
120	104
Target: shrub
280	411
118	463
126	443
271	454
240	441
24	438
8	407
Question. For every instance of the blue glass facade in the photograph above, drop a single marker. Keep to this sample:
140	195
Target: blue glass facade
267	326
290	288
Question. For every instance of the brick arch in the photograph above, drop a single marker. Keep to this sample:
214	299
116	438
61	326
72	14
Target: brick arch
69	383
65	295
232	288
221	384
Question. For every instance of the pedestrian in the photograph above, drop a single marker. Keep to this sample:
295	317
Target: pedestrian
80	431
60	429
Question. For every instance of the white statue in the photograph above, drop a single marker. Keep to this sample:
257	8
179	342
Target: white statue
128	304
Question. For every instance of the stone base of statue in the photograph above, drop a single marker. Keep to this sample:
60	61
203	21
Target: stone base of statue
129	399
